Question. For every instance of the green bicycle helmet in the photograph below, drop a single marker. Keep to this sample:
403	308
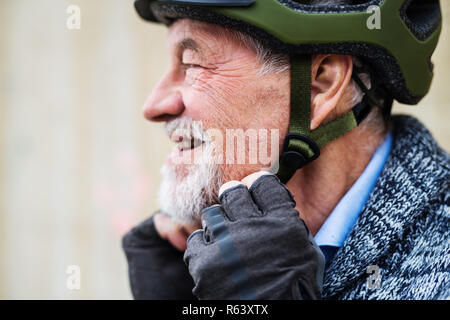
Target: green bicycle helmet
398	53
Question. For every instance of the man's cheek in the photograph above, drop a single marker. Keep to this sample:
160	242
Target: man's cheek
221	90
200	102
232	89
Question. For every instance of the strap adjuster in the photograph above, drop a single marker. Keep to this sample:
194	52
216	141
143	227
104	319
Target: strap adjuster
296	159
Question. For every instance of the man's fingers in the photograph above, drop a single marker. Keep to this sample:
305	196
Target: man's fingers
196	244
178	240
196	238
238	203
228	185
267	191
256	194
247	181
270	194
250	179
172	231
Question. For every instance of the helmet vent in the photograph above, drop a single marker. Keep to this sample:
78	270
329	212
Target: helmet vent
330	6
422	17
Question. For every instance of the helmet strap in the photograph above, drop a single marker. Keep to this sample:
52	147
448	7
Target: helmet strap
301	145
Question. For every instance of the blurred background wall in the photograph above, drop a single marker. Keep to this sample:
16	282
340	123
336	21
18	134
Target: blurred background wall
78	163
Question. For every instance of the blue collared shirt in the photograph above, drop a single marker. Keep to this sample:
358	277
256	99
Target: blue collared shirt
340	222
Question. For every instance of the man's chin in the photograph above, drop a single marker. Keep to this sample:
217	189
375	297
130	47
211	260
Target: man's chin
187	189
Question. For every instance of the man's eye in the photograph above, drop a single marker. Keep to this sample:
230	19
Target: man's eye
191	65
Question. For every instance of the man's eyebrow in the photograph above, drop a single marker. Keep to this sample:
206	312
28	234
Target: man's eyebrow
188	43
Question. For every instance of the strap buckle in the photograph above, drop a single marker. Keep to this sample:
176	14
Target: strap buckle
296	159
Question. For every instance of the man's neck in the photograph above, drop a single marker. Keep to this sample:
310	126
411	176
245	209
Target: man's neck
319	187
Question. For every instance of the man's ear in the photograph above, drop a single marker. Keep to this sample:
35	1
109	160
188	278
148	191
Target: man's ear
331	74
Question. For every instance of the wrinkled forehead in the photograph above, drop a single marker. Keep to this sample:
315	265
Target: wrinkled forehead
208	36
187	25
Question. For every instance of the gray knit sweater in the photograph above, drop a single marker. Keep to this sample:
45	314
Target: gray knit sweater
403	228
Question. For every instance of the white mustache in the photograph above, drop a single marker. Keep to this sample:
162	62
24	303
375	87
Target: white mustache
184	193
186	130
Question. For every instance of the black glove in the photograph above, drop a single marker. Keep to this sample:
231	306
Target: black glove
156	268
254	246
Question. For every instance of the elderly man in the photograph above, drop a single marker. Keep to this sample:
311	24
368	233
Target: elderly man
356	204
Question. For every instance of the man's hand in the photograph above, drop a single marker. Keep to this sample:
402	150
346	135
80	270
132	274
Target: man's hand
156	267
254	245
174	232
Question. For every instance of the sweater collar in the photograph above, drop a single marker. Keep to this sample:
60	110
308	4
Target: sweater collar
399	197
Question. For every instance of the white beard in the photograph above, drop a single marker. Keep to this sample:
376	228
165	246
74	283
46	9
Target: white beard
187	189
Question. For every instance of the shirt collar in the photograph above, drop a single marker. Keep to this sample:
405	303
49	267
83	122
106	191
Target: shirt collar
338	225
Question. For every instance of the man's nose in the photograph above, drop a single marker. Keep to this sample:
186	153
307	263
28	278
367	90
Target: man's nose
164	103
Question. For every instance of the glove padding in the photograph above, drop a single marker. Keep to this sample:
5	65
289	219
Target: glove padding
156	268
254	246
